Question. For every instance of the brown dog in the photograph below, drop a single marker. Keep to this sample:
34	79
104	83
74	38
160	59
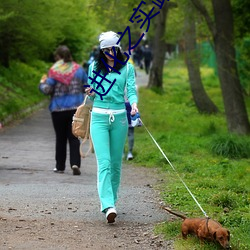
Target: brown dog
204	229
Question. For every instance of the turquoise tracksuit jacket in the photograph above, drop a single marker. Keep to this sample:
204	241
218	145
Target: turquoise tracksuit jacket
114	99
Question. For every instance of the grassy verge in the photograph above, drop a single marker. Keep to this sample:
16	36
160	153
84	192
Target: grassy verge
212	163
19	88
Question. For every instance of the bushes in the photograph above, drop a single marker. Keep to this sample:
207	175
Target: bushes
19	88
231	146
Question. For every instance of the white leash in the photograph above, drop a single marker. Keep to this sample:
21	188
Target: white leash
174	169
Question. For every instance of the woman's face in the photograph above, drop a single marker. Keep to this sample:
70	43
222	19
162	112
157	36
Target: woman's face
110	51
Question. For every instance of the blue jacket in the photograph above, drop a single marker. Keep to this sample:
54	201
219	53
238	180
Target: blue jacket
65	97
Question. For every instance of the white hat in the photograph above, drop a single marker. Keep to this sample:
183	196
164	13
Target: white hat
109	39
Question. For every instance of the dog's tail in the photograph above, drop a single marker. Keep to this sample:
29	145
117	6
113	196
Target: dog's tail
175	213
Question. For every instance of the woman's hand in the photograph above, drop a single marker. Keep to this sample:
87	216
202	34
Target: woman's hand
88	90
134	109
43	79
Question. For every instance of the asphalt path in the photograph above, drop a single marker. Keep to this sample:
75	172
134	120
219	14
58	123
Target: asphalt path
31	190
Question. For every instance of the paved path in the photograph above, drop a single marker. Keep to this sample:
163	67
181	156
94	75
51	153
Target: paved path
26	163
27	160
31	191
141	78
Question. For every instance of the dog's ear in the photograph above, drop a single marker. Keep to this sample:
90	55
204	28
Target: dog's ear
228	237
214	235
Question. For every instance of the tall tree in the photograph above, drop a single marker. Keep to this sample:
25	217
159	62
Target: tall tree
201	99
159	48
223	38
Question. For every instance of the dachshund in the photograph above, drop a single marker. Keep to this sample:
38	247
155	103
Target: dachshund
204	229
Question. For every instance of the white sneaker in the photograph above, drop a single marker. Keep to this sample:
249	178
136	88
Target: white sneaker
111	214
58	171
130	156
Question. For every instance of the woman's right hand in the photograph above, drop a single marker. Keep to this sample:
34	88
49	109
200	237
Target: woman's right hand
88	90
134	109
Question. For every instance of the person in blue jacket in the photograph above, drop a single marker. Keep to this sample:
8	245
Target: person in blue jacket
65	84
109	124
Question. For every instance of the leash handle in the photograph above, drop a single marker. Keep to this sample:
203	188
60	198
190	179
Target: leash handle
174	170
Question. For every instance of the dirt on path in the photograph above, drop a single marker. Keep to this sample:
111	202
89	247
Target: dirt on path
40	209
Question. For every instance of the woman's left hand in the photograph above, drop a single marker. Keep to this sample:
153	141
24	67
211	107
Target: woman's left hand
134	109
43	79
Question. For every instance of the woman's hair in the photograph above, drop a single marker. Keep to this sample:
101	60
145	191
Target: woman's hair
101	66
63	52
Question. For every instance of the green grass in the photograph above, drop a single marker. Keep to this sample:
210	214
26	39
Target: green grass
214	164
19	88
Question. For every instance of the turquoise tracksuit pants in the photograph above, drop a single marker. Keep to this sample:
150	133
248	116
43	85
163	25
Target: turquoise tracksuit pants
108	133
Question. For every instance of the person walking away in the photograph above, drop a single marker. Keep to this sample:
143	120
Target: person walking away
147	58
139	52
64	84
109	125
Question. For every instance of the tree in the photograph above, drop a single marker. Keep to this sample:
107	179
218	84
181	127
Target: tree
159	48
201	99
119	13
223	37
28	33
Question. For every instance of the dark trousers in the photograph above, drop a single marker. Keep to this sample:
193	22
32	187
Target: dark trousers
131	139
62	122
147	65
130	129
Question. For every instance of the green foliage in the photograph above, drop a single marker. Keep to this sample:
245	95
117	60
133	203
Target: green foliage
242	35
241	17
219	183
231	146
175	25
118	13
19	87
29	33
243	60
224	200
176	18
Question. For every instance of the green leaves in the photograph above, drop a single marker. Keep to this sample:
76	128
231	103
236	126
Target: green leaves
30	32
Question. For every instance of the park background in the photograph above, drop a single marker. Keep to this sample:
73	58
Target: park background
196	103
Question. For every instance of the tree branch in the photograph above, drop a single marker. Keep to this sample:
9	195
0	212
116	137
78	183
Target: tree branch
202	9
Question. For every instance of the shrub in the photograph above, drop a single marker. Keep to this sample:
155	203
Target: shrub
231	146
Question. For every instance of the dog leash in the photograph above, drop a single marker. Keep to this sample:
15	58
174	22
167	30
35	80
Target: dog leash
174	169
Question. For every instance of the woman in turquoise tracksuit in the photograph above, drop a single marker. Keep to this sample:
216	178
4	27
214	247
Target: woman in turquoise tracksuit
109	123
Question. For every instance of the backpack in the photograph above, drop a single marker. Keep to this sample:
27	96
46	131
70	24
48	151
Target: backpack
81	126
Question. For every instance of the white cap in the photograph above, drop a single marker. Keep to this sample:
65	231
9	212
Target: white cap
109	39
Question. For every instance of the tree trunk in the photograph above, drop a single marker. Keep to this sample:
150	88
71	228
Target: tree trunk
159	50
201	99
235	109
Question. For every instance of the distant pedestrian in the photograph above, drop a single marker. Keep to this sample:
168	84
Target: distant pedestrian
65	86
147	54
93	55
138	56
